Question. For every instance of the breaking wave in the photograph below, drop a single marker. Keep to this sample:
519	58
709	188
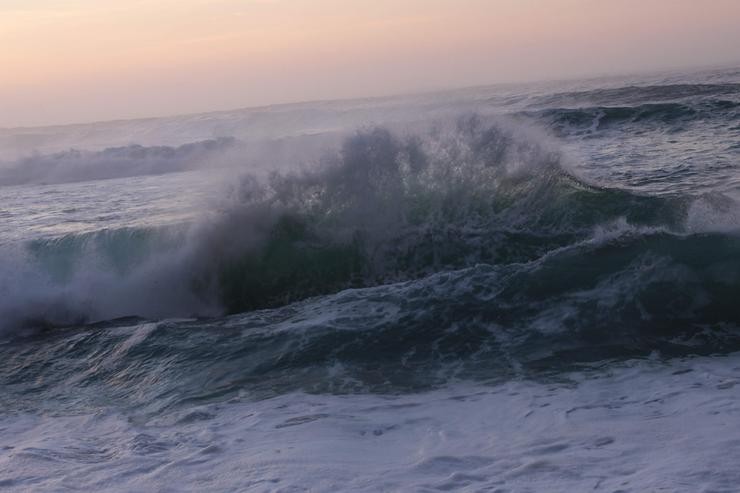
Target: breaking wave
481	207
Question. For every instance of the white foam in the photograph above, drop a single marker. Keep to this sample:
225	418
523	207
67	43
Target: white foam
637	426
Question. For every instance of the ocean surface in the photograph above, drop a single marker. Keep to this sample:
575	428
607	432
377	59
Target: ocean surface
508	288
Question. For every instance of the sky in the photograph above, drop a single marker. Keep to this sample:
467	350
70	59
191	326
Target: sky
67	61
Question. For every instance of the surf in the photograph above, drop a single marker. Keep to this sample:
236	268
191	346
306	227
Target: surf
385	207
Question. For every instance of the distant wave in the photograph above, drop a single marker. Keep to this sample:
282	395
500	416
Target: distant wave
114	162
668	116
638	94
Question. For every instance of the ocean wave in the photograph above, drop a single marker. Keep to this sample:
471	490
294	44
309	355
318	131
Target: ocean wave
623	293
383	208
115	162
639	94
665	116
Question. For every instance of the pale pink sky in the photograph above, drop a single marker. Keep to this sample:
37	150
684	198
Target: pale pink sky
81	60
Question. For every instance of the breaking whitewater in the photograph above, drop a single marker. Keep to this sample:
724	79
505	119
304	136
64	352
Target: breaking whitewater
524	288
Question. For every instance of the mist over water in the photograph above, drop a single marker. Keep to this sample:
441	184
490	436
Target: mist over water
363	274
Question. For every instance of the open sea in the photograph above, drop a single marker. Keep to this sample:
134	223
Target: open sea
515	288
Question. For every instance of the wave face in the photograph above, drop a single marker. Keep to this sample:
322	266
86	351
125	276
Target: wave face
622	294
